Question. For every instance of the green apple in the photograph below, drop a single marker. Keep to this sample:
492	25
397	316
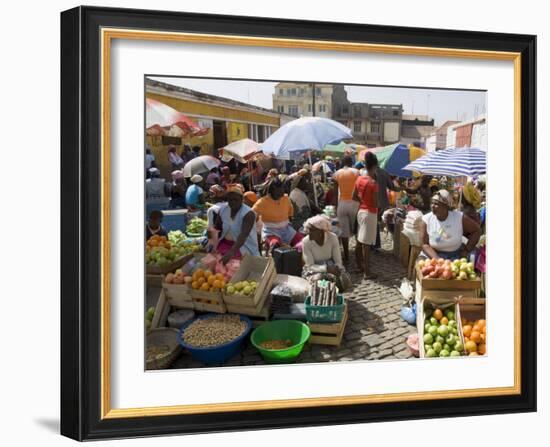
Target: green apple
427	347
450	340
428	339
432	331
443	330
454	331
437	347
427	327
433	321
451	323
431	353
440	339
455	354
462	275
447	348
444	353
459	346
450	315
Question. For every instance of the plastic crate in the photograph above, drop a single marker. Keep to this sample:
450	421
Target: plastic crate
173	220
325	314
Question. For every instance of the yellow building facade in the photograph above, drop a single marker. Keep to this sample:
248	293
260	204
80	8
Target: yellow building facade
227	120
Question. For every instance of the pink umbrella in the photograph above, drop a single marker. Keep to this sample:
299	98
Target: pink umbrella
158	116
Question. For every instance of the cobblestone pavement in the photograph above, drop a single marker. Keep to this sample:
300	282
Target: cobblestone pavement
374	329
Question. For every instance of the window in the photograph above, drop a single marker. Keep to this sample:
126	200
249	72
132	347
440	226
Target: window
309	108
281	109
375	128
396	113
357	126
345	110
301	92
317	91
322	107
282	91
293	110
357	111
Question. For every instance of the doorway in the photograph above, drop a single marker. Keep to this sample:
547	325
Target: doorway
220	135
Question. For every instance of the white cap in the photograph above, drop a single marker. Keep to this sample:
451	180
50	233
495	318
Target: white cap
196	178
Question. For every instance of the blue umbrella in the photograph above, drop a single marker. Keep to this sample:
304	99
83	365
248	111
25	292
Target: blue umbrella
305	134
453	162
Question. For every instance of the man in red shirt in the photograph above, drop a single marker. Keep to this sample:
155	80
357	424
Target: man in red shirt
366	193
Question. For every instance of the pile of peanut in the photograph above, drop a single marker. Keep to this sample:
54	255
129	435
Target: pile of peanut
214	331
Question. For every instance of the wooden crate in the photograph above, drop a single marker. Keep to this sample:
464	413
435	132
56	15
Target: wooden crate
178	295
253	268
404	249
328	333
156	270
162	310
208	301
444	303
448	284
261	309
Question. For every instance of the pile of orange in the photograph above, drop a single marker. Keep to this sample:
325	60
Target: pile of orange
475	334
207	281
158	241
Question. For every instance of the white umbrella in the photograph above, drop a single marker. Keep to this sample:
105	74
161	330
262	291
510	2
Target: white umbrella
467	161
200	165
241	150
305	134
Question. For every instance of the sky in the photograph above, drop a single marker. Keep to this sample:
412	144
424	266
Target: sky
442	105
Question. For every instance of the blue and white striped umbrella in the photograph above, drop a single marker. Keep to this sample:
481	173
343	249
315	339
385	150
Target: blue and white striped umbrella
452	162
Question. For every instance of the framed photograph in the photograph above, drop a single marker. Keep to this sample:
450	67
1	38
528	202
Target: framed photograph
275	223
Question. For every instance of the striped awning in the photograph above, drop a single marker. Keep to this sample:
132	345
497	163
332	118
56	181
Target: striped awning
455	162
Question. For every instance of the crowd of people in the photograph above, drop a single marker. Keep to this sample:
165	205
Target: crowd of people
250	211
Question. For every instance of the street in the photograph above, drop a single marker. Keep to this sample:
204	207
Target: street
374	330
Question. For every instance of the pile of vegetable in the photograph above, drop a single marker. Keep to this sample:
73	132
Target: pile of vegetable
160	251
197	226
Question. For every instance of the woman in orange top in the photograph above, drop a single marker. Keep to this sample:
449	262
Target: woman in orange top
275	210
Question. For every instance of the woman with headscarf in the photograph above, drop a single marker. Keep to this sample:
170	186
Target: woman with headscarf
275	209
226	176
179	188
443	229
194	197
321	252
176	161
303	208
471	202
238	234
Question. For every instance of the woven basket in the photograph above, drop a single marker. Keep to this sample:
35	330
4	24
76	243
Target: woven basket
163	336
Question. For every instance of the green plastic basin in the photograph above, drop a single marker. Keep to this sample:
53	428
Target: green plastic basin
296	331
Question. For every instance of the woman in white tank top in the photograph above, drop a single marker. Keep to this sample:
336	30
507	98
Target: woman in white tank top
443	229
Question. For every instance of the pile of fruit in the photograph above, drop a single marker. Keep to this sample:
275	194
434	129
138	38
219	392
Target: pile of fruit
441	337
446	269
197	226
149	317
474	336
242	288
177	237
160	252
201	279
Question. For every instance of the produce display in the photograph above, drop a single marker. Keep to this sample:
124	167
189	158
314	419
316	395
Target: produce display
276	344
160	251
441	337
213	262
459	269
197	226
149	317
475	333
214	331
242	287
